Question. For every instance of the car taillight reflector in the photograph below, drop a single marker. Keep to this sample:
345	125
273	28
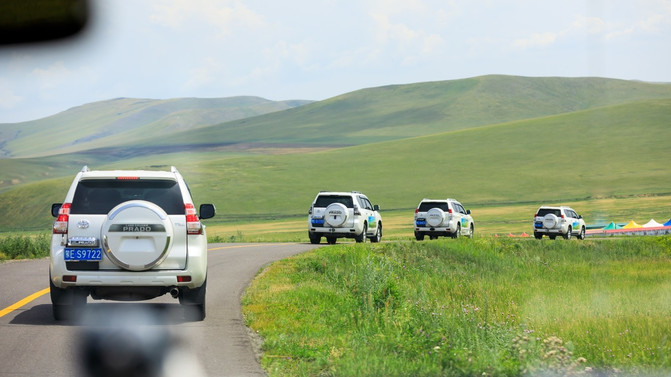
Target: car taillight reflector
70	278
193	225
183	279
61	223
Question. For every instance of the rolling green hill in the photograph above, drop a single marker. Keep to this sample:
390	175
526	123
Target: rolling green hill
112	123
610	151
401	111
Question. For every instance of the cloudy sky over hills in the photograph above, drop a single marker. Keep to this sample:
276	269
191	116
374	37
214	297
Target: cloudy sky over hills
318	49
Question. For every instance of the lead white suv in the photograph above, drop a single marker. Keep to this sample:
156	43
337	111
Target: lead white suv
553	221
343	214
442	217
128	235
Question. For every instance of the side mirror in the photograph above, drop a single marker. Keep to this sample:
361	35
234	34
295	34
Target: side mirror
580	216
376	207
207	211
55	208
468	211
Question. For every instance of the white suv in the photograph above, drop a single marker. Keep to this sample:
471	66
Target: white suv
553	221
128	235
343	214
442	217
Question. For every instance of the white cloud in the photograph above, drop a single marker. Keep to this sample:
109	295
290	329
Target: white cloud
8	99
536	40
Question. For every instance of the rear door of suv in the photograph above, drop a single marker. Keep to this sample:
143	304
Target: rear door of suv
95	198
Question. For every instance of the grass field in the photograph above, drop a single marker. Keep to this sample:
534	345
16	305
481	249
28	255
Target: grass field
480	307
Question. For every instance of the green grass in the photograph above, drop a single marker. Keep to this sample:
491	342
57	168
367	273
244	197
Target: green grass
24	246
466	308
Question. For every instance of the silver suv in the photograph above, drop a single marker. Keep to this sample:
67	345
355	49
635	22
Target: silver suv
343	214
128	235
442	217
553	221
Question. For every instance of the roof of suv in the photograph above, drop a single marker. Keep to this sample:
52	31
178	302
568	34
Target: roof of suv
128	173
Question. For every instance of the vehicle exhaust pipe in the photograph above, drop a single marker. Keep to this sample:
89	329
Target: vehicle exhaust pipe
174	292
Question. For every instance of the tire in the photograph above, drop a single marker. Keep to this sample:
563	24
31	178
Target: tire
472	230
122	244
419	236
567	236
362	238
581	236
330	240
552	236
194	301
550	221
314	238
336	214
435	217
457	232
66	303
538	236
378	234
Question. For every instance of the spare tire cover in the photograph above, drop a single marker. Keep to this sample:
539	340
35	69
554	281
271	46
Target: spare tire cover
435	216
335	214
549	221
137	235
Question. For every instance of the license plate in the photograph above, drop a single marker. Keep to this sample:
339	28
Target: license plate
421	223
81	254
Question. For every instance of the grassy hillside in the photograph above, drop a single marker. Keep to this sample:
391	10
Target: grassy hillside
401	111
115	122
605	152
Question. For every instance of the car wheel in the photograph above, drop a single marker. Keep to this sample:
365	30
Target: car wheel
314	238
331	240
472	230
194	301
567	236
378	234
538	236
65	303
419	236
552	236
581	236
362	237
457	232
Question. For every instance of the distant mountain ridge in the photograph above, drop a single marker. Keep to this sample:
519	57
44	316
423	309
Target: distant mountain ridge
116	121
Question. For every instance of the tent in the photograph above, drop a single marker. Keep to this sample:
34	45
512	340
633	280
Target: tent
668	223
631	225
612	226
652	224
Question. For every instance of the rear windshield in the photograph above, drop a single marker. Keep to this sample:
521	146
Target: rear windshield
426	206
99	196
325	200
544	211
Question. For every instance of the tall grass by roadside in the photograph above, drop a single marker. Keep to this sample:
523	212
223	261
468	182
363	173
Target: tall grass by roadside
24	246
481	307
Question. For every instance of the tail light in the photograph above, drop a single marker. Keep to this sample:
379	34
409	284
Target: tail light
356	211
536	215
193	225
449	210
61	223
416	210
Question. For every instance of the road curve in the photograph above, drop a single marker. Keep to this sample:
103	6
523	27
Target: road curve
33	344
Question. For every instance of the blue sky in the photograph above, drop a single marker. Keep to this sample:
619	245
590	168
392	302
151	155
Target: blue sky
317	49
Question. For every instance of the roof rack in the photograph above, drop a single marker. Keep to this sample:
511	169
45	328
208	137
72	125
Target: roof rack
85	169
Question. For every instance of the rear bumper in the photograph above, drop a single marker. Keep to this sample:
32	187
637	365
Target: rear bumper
341	232
196	270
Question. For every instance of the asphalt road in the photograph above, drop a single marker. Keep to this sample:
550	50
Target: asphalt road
33	344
